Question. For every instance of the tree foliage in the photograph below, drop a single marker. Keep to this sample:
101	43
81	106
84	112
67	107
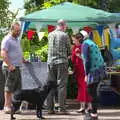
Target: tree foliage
114	5
6	16
4	4
32	5
4	19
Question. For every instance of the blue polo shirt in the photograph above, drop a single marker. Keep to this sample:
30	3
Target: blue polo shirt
12	46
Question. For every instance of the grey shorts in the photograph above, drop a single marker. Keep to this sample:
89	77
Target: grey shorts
12	79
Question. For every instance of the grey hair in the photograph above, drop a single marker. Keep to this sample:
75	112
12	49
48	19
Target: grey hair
13	25
61	22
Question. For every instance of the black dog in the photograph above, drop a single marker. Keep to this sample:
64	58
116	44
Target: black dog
35	96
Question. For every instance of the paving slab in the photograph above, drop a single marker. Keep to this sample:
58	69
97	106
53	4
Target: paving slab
104	114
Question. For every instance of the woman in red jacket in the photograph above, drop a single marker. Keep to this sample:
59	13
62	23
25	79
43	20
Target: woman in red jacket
79	72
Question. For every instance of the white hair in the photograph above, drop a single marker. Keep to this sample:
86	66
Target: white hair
85	34
61	22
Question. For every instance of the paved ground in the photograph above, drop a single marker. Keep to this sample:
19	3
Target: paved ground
111	113
104	114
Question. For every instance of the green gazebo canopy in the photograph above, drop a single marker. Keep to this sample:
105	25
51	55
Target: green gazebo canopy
75	15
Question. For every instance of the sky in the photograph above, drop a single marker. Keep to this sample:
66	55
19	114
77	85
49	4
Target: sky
15	4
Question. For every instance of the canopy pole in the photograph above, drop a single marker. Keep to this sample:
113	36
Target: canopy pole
22	29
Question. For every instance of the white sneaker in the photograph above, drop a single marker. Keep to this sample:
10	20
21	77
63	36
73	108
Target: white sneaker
57	105
7	110
94	115
81	110
24	105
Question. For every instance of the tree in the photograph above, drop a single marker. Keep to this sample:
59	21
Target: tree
104	4
4	4
90	3
6	17
114	5
32	5
110	5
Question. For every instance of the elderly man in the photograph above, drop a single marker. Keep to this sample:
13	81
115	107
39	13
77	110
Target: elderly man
58	53
12	60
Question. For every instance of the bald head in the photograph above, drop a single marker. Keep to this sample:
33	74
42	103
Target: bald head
62	24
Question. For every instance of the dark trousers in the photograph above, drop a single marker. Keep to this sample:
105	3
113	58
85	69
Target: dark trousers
92	90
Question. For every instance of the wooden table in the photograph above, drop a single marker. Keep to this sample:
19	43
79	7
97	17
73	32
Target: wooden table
113	73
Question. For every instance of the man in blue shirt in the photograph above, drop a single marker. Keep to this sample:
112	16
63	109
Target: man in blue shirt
12	60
